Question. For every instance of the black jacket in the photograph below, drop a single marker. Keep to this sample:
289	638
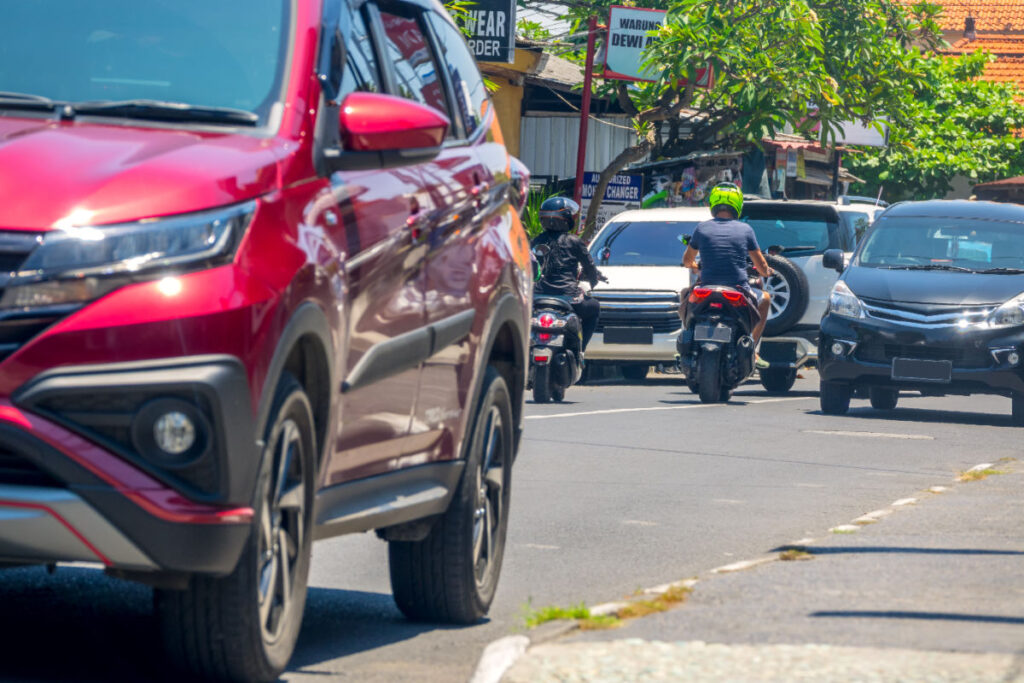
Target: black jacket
566	253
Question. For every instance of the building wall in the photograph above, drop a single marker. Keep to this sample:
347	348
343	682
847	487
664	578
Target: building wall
548	143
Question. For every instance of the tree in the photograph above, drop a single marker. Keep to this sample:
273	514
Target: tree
955	125
801	64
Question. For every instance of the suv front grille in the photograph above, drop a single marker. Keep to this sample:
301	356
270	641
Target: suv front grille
658	310
961	357
934	317
19	471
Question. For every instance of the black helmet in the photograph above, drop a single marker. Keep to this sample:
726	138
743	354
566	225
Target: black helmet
559	214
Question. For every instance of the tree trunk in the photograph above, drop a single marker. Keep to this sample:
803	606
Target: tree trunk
625	157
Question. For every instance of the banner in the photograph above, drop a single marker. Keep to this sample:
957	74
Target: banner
627	38
492	27
624	192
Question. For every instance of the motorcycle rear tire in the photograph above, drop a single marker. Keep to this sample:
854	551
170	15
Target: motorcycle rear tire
709	376
542	384
557	394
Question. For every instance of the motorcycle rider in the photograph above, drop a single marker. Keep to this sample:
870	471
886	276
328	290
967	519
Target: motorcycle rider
724	244
562	255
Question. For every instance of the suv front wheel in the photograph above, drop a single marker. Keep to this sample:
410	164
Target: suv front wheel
451	575
244	626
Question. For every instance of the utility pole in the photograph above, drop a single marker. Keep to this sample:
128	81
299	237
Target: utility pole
588	77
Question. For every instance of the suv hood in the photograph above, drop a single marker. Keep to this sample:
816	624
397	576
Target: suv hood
645	278
933	287
49	169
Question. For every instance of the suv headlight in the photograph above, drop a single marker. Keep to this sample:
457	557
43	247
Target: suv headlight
844	302
1010	314
78	264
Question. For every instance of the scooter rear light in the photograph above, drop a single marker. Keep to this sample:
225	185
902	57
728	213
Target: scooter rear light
699	294
540	359
543	337
546	320
734	298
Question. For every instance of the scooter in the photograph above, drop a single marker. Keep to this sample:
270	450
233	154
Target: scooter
556	343
716	351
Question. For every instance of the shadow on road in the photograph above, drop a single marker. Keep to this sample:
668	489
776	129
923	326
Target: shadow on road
924	415
852	550
339	623
930	616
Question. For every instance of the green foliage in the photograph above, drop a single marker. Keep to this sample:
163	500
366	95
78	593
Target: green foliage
536	617
532	30
952	125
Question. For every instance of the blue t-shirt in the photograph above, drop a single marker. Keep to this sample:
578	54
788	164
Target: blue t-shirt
723	245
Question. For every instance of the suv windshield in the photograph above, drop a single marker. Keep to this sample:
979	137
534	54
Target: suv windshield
646	243
795	229
944	243
205	54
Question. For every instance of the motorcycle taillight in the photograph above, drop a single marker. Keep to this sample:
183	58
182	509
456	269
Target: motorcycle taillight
699	294
543	337
734	298
546	320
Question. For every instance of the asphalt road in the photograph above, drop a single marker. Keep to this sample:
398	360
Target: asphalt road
620	487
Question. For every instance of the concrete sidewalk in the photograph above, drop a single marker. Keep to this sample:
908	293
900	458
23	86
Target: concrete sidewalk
933	590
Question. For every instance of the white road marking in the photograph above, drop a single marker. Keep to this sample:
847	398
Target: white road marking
844	529
611	411
803	541
539	546
498	657
904	501
639	522
938	489
728	501
982	466
872	435
606	608
740	566
872	517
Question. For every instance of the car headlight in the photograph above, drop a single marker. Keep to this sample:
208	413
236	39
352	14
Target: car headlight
78	264
844	302
1010	314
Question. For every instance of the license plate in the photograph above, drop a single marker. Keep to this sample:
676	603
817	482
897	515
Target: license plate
910	369
717	333
628	335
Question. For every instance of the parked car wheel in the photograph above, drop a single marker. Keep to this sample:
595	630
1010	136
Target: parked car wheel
883	399
790	293
635	373
709	379
542	384
778	380
834	398
244	626
452	574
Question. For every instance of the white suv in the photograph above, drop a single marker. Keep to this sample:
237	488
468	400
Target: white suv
640	252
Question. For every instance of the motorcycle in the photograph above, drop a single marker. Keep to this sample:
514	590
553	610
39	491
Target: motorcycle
716	351
556	344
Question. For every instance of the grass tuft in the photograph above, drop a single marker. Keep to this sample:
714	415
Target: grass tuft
600	623
794	554
977	475
535	618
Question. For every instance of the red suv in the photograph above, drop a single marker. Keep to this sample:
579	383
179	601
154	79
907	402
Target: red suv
263	282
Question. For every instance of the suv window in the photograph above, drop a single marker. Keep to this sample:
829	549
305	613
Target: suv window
416	73
469	91
647	243
194	52
360	72
799	231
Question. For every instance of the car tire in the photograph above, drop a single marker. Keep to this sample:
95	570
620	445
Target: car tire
635	373
451	575
709	376
790	295
834	398
542	384
1017	415
778	380
883	399
244	626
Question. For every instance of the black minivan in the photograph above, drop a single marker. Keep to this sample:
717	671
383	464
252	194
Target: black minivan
933	301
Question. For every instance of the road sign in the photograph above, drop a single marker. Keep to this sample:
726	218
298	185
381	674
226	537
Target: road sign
623	192
628	29
492	27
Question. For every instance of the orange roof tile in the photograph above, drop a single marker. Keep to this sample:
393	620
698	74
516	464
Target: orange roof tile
989	15
997	45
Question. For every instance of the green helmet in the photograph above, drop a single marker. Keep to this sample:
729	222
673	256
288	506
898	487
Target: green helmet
727	194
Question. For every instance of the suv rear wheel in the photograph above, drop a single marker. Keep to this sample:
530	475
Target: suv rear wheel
452	574
244	626
790	294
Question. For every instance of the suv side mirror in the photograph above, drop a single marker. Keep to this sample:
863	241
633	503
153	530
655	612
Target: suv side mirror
383	131
834	259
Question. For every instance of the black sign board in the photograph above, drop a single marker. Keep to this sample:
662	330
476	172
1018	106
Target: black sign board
492	28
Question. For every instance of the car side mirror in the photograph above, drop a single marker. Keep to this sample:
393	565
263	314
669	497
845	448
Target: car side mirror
383	131
834	260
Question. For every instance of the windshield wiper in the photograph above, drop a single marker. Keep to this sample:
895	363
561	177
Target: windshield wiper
1002	271
23	100
156	110
933	266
